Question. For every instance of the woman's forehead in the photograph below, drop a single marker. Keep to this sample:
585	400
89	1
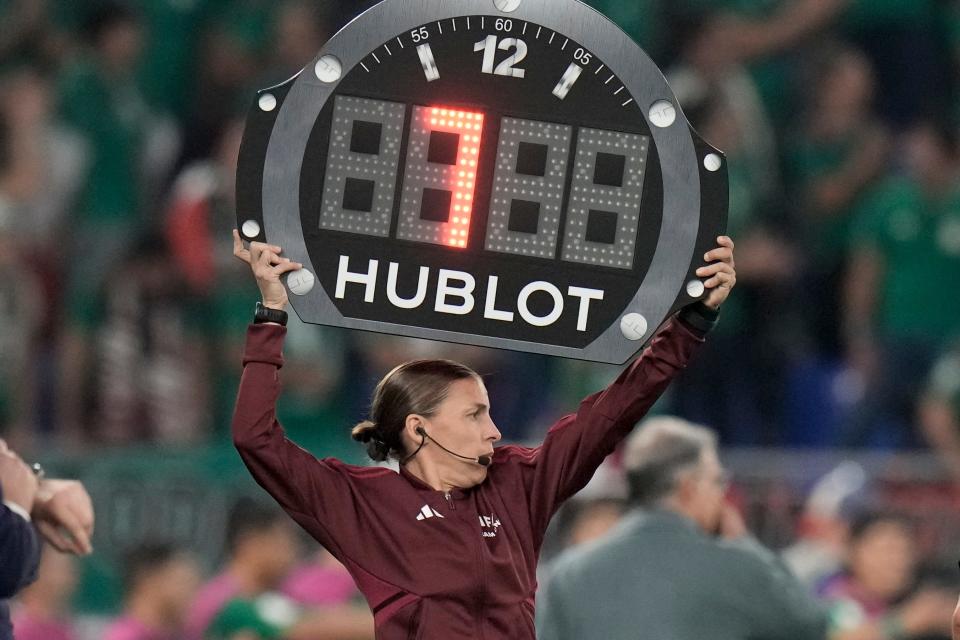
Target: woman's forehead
467	391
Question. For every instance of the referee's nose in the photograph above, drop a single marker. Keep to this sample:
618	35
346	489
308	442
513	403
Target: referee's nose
491	433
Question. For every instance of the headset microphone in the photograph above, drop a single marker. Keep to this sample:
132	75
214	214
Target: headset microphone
483	461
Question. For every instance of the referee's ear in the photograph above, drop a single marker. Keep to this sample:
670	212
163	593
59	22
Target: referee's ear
414	431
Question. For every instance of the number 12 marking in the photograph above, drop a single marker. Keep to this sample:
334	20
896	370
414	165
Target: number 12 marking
489	47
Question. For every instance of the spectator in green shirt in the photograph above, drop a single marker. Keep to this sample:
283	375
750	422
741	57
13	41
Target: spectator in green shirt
898	314
99	98
762	35
901	38
838	152
100	101
744	405
168	69
131	150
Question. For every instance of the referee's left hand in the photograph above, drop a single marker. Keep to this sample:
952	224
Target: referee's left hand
721	274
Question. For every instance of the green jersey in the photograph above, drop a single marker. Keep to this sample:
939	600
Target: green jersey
266	618
918	238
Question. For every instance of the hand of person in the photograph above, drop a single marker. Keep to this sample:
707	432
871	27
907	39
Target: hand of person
929	611
267	266
63	514
17	479
721	274
731	524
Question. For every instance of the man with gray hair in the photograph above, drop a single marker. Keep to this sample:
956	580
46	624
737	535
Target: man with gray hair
681	565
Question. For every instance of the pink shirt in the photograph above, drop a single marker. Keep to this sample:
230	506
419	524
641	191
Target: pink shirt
208	602
28	627
320	584
128	628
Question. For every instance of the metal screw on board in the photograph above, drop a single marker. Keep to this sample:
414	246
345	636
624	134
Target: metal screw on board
300	282
328	69
506	5
633	326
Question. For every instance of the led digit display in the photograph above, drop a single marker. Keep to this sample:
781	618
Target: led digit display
605	198
441	171
362	164
528	185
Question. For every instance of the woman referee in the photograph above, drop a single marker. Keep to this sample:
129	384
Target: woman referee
446	548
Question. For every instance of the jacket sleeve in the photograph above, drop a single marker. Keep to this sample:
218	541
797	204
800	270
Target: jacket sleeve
19	552
318	494
577	444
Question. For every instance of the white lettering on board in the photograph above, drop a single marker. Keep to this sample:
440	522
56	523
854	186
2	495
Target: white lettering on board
455	294
465	293
344	276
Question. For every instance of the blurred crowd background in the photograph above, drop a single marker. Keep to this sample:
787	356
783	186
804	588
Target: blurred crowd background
837	356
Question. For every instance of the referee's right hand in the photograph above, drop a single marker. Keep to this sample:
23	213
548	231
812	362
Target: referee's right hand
17	479
267	266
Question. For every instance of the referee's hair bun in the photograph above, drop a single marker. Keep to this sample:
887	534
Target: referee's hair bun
364	431
368	432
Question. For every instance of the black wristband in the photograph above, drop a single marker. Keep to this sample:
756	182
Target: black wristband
699	316
266	314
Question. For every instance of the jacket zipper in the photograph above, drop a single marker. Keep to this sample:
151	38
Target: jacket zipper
450	502
482	596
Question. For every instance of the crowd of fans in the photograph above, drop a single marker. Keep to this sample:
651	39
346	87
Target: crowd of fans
120	127
119	132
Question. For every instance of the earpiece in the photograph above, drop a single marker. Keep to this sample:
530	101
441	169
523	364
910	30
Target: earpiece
483	461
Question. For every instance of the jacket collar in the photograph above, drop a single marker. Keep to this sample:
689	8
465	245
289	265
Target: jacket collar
456	494
659	519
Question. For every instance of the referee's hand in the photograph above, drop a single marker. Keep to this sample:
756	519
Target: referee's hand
267	266
720	272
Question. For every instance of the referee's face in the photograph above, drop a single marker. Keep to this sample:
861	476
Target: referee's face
462	424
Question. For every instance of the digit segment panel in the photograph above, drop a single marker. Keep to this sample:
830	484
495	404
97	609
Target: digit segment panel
449	170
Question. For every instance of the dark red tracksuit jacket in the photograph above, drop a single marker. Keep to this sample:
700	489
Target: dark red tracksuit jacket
434	565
